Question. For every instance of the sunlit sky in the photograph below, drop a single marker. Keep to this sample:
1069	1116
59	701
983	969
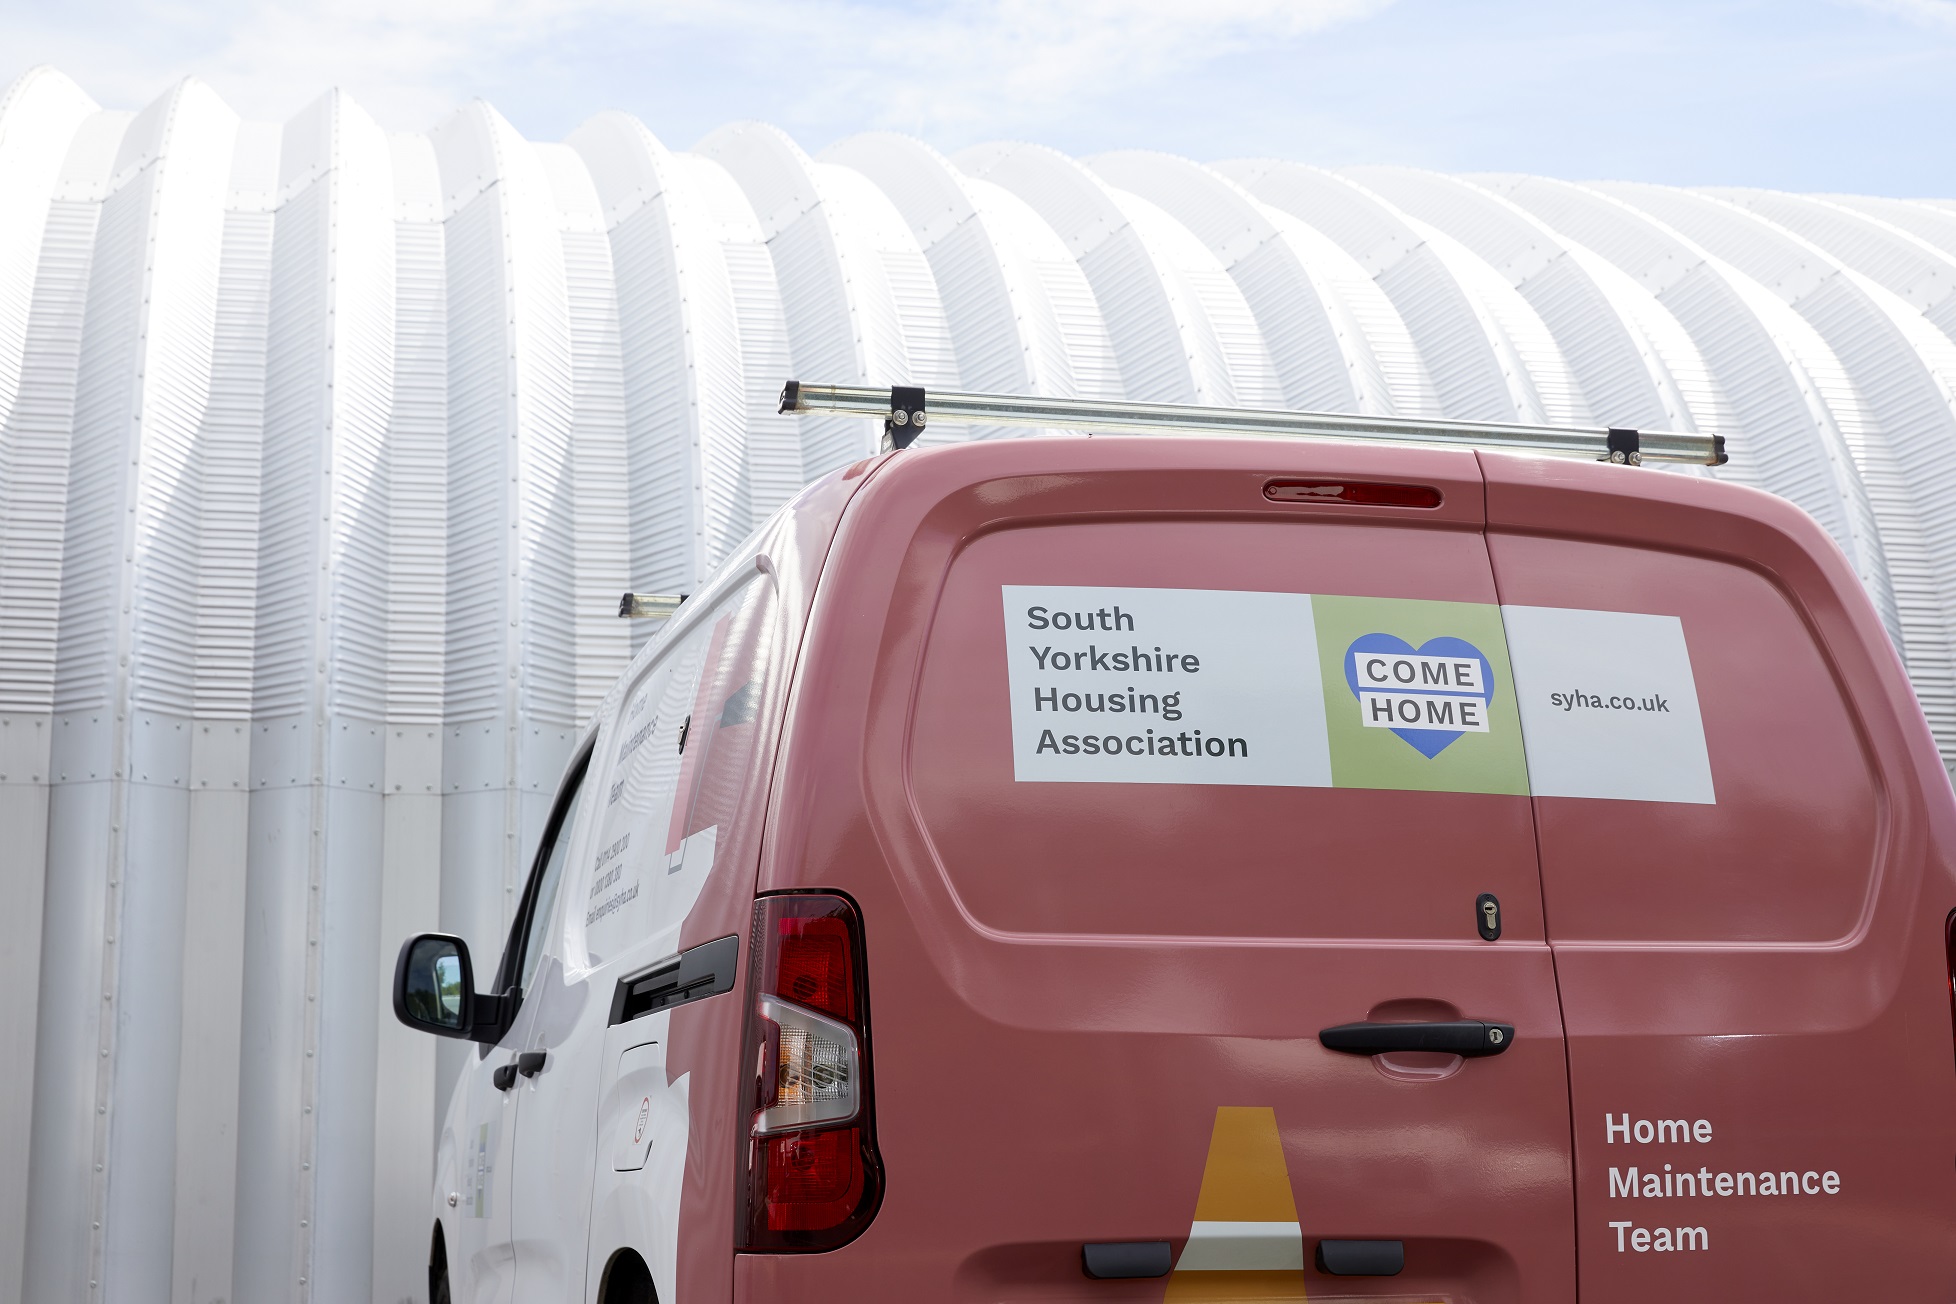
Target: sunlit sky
1851	95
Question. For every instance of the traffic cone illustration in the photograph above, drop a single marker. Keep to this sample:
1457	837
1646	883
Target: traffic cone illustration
1245	1243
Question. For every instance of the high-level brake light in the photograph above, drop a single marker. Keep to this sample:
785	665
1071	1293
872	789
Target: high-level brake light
811	1178
1357	493
905	409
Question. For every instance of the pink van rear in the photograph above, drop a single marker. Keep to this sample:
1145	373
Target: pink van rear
1137	765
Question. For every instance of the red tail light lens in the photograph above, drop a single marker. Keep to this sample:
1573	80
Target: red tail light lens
1949	951
1359	493
815	1180
814	962
810	1176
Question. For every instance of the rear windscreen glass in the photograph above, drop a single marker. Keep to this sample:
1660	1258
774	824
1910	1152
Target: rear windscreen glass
1281	729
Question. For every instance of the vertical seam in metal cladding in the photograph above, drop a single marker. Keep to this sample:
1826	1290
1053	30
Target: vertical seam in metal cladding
46	239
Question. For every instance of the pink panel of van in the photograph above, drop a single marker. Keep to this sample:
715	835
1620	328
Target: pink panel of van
1094	1003
1172	869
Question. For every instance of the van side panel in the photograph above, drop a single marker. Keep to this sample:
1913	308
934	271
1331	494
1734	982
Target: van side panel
705	1036
1088	998
678	786
1755	985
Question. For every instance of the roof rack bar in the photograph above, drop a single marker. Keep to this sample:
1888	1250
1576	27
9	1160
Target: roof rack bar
649	606
1607	445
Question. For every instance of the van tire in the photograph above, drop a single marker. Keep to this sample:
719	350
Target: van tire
626	1281
438	1268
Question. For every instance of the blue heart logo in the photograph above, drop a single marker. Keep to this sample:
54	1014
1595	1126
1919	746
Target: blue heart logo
1419	681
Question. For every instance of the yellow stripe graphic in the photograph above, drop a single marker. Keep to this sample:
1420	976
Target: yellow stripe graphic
1244	1242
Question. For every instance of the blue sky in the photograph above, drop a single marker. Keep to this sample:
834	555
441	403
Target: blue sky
1853	95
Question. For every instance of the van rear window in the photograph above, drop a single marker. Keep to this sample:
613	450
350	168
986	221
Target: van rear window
1787	851
1121	730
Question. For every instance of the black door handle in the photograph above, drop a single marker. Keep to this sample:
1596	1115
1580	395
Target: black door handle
505	1076
530	1062
1466	1037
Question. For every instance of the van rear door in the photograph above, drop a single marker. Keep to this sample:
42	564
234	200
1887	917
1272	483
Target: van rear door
1131	822
1743	832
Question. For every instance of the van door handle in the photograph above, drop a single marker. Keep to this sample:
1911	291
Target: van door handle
530	1062
505	1076
1470	1038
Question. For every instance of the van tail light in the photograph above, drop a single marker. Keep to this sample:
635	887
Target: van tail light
810	1178
1949	951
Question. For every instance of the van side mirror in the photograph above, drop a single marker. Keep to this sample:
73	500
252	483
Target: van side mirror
434	990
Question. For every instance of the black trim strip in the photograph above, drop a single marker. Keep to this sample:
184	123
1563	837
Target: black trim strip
693	975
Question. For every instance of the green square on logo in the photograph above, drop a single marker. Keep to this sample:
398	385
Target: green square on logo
1419	695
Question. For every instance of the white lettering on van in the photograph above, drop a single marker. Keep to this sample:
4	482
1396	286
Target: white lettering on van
1661	1131
1659	1240
1640	1184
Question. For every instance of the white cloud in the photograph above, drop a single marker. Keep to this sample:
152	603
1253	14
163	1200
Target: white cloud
972	64
1937	14
1011	62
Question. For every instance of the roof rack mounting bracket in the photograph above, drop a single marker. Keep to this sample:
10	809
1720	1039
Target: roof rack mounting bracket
906	419
1625	448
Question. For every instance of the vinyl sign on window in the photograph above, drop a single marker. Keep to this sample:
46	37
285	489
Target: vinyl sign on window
1312	690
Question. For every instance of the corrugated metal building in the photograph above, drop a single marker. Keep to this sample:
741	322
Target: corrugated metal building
325	453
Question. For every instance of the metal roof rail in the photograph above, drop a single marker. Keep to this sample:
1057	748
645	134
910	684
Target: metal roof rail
649	606
905	409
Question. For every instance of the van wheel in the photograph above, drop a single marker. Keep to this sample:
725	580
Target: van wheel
626	1281
438	1267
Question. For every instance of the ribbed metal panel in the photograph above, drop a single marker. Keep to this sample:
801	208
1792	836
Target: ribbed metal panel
1164	352
820	305
44	248
325	454
1626	354
1072	355
1315	354
1388	373
417	443
479	465
1447	326
1899	422
995	335
769	443
34	477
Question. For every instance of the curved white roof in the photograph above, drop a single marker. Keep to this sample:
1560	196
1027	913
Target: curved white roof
324	454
